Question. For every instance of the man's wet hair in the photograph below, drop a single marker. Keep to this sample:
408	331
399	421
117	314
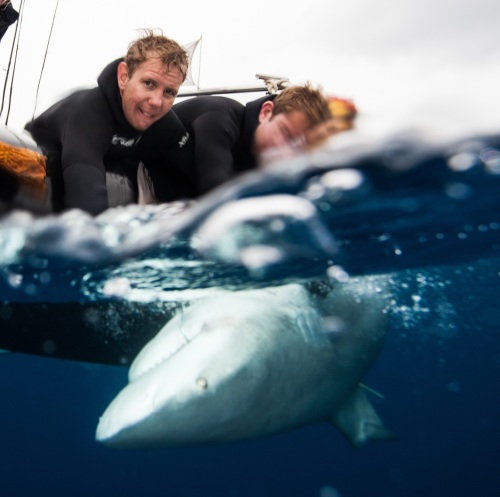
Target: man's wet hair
150	45
304	98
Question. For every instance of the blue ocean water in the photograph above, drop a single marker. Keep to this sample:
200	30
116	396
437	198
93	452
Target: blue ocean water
425	220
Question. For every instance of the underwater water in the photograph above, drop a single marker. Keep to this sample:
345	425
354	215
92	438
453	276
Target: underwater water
423	222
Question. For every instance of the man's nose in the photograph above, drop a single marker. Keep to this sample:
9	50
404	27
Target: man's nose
155	98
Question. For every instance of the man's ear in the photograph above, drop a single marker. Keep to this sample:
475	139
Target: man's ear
122	75
266	111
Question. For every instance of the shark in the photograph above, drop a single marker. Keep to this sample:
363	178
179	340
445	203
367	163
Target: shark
251	363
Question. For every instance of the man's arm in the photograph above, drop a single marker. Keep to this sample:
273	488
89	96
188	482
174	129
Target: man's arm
216	137
84	145
167	149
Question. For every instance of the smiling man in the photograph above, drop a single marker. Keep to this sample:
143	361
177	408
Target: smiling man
95	139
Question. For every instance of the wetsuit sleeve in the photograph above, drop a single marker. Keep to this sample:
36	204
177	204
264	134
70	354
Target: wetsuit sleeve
215	139
83	148
167	149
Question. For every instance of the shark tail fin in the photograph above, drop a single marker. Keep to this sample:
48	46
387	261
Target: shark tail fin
358	421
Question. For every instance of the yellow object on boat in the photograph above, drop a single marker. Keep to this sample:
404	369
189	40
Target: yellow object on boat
342	108
27	166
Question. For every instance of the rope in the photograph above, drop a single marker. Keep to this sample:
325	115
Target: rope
19	25
45	58
10	64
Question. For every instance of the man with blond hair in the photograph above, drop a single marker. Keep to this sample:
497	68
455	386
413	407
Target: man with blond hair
96	140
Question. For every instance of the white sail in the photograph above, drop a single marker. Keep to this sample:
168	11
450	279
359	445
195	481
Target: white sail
190	48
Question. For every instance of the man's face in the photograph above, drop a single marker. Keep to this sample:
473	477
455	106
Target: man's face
149	93
279	130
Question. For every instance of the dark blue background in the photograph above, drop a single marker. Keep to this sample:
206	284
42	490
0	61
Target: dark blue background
439	376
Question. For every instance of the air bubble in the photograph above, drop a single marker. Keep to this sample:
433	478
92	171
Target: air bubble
337	273
462	162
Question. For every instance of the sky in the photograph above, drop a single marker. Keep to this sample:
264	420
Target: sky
393	58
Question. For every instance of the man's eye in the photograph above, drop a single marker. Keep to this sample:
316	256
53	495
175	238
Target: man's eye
148	83
169	93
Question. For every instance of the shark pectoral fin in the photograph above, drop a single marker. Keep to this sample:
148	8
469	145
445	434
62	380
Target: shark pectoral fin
358	421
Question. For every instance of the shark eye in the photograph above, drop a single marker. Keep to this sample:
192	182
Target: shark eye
202	383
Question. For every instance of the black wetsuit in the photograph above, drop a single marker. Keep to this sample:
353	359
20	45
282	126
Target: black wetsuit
88	140
8	16
223	131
